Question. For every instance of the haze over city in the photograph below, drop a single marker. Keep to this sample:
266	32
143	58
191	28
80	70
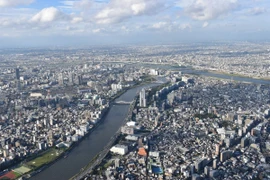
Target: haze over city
34	23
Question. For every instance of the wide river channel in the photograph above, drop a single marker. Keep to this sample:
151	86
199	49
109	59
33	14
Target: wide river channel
88	148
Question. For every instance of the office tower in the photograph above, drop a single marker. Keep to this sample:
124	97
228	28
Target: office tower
192	169
217	149
225	155
200	164
142	98
215	164
17	77
18	85
116	162
244	142
206	170
240	132
71	78
17	73
61	79
78	79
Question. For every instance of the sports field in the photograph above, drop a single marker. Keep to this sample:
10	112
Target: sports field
22	170
49	156
10	175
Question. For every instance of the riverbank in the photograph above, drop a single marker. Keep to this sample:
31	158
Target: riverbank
47	165
39	162
237	75
99	157
105	160
46	158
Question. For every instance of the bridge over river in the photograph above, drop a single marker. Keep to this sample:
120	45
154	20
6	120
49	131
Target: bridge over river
122	102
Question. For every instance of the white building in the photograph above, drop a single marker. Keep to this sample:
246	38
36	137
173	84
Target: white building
36	95
119	149
116	87
153	72
75	138
142	98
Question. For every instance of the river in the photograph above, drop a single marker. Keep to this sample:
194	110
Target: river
82	154
189	70
88	148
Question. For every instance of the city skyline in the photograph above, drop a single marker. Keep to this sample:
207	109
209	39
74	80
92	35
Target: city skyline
35	23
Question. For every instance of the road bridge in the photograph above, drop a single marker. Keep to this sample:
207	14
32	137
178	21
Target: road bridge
123	102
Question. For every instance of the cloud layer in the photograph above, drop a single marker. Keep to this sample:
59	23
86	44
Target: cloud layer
48	15
120	10
118	18
208	9
11	3
257	10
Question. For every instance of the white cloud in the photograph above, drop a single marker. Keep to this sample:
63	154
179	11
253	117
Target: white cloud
48	15
119	10
205	24
76	20
83	4
96	30
207	9
11	3
78	4
257	10
160	25
68	3
185	26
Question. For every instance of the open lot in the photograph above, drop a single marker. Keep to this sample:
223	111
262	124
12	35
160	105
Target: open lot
22	170
49	156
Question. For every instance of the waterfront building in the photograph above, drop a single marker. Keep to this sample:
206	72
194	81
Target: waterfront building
142	98
119	149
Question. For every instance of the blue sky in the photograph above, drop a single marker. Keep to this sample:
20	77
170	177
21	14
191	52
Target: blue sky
91	22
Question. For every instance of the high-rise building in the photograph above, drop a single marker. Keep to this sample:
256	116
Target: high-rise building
78	79
18	85
17	77
142	98
240	132
225	155
61	79
116	162
215	163
206	170
217	149
244	142
200	164
17	73
71	78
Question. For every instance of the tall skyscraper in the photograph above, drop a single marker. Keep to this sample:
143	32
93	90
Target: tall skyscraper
71	78
17	73
17	76
78	79
18	84
142	98
217	149
61	79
